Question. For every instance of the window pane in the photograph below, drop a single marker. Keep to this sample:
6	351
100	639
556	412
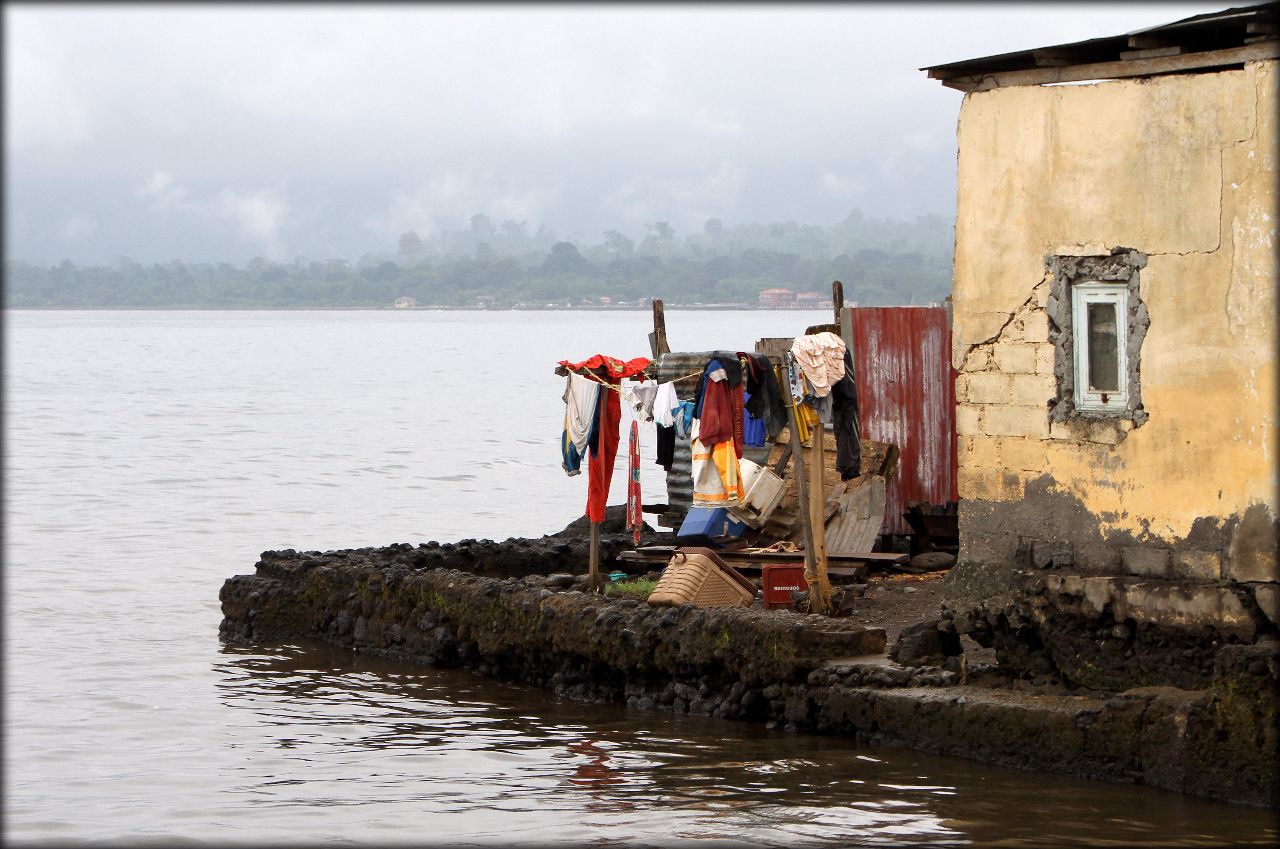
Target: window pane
1104	357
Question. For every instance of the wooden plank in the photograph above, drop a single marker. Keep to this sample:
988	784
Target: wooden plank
858	521
593	576
1118	69
1048	57
837	298
1150	53
660	345
797	466
819	584
654	551
1145	42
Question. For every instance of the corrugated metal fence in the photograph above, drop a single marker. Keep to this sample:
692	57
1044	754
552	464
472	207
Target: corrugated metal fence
906	395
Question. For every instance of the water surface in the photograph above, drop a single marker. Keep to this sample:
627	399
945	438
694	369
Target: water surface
151	455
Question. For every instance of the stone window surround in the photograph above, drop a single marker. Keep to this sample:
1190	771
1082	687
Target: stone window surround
1120	266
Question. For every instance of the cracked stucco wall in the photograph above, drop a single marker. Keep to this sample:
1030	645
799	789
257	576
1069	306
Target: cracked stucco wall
1183	169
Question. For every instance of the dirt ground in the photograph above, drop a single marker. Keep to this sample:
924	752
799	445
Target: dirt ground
894	600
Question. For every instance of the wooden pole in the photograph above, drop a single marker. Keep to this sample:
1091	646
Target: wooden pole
593	578
802	492
597	467
658	339
837	298
820	588
846	329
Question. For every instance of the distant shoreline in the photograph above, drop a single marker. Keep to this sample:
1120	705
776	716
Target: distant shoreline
666	307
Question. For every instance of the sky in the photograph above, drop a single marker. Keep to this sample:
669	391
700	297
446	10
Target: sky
222	132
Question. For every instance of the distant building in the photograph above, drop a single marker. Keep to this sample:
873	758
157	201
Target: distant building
811	300
485	301
776	299
405	302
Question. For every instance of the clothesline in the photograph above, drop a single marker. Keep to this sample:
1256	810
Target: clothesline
617	387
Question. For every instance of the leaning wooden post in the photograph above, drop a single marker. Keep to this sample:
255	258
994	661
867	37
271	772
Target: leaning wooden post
837	298
593	579
597	462
802	493
658	338
820	588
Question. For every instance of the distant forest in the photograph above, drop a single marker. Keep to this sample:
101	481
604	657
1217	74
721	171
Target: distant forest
500	266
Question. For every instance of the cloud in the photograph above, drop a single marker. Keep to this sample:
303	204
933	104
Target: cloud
840	187
44	104
165	193
686	202
77	228
451	197
259	217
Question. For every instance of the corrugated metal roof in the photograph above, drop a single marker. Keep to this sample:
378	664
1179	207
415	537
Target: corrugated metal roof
1213	40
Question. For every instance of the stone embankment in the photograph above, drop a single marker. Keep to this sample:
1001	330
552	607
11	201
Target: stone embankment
510	611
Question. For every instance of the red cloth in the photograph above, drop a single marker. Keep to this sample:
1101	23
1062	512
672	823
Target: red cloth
715	425
617	369
600	463
635	510
735	399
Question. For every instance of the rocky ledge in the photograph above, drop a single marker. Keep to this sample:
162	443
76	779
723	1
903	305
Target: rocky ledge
516	611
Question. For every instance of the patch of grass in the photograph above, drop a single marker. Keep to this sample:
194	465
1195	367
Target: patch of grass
634	589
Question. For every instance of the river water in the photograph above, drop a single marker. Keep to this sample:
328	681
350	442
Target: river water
151	455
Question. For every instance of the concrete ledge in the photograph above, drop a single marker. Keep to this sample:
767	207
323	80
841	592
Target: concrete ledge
805	673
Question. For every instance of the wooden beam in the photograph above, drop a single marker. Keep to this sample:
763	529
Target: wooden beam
1143	42
802	489
593	576
837	298
819	583
1119	69
1047	57
1150	53
658	342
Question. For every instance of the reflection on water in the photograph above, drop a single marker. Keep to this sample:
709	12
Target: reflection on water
151	455
485	759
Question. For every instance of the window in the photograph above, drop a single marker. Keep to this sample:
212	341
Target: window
1099	324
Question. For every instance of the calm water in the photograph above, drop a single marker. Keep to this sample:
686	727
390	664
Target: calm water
151	455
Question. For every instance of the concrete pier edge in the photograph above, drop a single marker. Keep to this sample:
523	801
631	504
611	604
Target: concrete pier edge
502	617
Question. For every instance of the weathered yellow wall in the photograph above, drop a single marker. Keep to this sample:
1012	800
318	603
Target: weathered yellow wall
1182	168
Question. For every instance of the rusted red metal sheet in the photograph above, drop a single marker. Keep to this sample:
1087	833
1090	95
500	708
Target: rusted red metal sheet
906	395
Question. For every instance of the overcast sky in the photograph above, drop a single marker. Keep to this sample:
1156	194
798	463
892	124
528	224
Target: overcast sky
224	132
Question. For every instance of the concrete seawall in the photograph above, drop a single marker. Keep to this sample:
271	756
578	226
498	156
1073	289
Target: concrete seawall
490	607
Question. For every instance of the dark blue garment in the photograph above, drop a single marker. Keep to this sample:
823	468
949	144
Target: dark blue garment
753	429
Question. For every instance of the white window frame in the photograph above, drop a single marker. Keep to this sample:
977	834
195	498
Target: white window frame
1082	295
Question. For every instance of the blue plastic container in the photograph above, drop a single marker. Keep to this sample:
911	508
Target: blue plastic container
710	523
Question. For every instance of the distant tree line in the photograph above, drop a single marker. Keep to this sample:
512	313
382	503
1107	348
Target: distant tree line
880	262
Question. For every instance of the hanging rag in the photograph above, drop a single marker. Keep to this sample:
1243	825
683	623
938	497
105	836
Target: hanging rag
727	361
664	403
717	478
609	369
580	396
641	398
665	447
603	441
821	357
797	386
635	511
683	415
754	431
766	401
720	415
847	423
